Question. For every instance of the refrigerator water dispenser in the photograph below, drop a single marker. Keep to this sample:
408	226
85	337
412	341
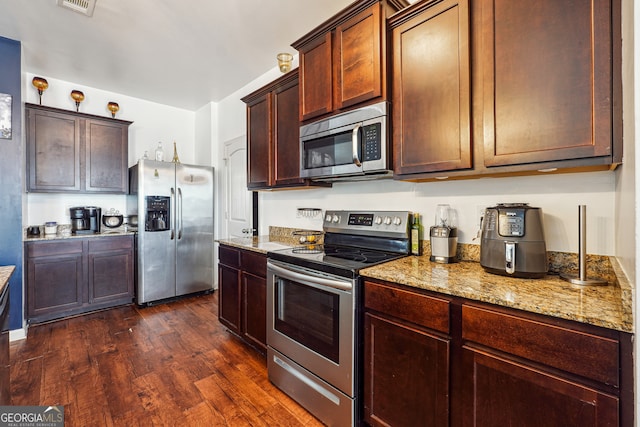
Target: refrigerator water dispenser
157	213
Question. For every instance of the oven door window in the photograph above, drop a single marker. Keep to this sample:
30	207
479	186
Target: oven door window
328	151
309	316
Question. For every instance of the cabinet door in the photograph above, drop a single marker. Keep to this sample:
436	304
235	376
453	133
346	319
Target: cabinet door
501	392
53	144
106	157
431	83
316	80
229	297
406	375
259	147
110	270
547	80
286	135
359	58
55	279
254	309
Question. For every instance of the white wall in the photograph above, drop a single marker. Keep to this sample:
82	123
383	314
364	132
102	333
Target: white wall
557	195
152	123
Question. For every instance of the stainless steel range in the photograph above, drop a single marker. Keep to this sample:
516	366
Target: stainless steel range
313	310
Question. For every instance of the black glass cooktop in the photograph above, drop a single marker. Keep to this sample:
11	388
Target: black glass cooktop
334	259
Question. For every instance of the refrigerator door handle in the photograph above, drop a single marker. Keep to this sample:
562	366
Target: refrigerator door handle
172	220
180	216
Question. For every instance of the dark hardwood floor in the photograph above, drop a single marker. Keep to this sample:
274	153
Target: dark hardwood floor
166	365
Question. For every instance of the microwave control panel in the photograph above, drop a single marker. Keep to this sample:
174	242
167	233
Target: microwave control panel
371	142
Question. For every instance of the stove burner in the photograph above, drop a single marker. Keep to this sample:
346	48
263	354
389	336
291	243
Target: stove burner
355	254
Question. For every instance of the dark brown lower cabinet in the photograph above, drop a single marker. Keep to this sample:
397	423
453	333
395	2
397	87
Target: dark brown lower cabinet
73	276
504	392
436	360
242	299
406	358
409	387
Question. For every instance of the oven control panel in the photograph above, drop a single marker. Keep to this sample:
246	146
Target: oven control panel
383	223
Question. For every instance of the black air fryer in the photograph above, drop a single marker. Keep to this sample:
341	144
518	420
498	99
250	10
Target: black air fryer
513	241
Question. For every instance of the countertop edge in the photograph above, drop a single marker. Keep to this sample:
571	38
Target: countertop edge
5	274
604	306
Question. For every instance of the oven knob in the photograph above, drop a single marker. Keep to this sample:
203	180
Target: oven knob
387	220
335	218
327	218
378	220
397	221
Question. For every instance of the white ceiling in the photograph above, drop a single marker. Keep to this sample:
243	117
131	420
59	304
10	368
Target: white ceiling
179	53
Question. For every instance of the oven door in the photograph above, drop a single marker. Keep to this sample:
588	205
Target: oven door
311	320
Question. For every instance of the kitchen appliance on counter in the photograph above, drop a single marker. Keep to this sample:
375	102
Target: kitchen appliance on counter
350	146
443	235
112	218
513	241
314	302
174	205
85	219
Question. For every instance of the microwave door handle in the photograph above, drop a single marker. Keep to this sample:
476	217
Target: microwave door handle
355	139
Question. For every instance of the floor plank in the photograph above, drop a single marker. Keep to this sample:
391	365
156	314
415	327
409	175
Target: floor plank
170	364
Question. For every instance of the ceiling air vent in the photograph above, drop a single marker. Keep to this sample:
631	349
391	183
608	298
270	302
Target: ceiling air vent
81	6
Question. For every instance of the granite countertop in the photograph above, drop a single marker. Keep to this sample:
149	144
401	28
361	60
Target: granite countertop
105	232
5	274
260	244
607	306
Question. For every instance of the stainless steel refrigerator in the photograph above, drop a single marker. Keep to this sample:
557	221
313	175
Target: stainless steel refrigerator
174	204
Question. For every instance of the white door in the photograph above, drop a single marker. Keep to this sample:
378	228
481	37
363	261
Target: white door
238	206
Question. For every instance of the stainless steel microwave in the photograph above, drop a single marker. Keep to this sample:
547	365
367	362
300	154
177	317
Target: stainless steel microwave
350	146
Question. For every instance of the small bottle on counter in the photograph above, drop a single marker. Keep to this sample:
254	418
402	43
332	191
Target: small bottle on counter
417	235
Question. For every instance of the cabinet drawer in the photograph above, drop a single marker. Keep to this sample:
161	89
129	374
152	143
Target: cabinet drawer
229	256
573	351
254	263
37	249
110	243
414	307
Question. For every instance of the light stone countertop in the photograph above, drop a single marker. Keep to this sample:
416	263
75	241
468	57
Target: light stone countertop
260	244
104	232
607	306
5	274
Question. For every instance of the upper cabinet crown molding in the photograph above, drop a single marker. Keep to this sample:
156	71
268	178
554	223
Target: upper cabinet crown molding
75	113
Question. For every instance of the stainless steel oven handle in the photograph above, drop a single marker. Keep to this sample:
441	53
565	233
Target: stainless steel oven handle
355	145
304	277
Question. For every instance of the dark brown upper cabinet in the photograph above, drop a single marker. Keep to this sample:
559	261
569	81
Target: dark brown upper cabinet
431	88
273	129
343	62
541	82
75	152
549	81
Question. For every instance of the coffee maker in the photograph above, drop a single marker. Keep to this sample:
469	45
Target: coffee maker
444	235
85	219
